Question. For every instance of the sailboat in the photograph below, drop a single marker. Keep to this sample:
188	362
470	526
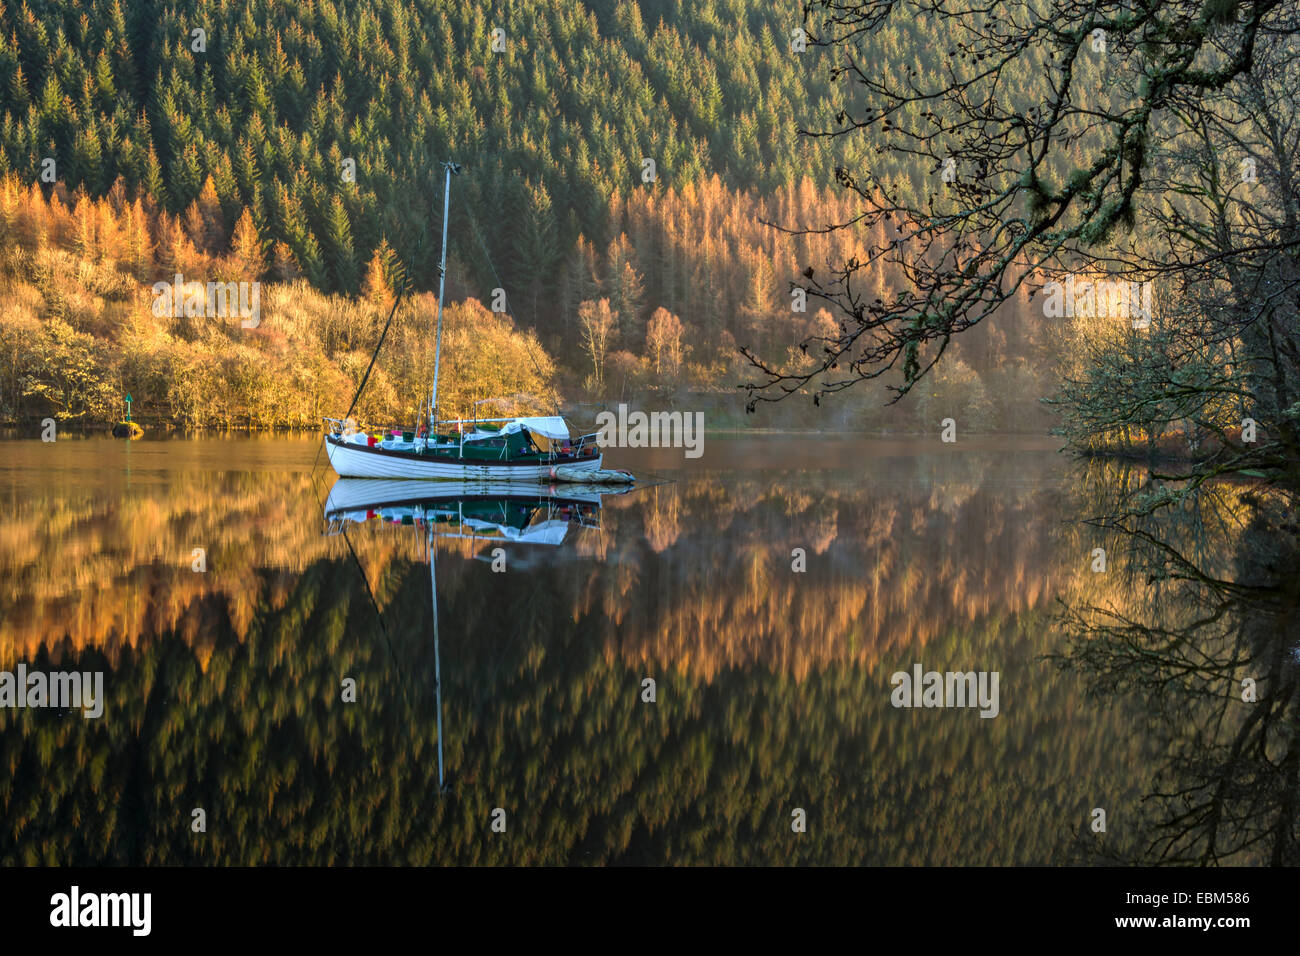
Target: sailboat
492	449
493	513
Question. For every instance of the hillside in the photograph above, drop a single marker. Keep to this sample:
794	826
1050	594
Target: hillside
281	94
302	140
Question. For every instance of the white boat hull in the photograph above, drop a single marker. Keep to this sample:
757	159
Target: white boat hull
355	461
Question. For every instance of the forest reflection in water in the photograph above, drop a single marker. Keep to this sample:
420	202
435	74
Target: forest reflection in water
1207	637
772	687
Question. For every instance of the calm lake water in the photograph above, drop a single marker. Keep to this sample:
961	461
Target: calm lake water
226	668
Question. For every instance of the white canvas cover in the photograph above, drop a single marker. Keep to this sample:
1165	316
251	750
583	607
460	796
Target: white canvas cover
549	426
546	531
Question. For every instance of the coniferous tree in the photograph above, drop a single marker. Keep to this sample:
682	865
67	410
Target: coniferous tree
246	249
377	286
284	264
535	248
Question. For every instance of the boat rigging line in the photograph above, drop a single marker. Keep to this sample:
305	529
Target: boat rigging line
374	604
405	287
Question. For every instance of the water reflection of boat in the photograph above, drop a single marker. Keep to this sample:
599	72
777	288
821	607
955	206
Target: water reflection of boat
495	512
512	512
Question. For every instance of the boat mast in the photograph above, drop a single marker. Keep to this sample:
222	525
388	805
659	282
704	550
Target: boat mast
437	660
442	284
